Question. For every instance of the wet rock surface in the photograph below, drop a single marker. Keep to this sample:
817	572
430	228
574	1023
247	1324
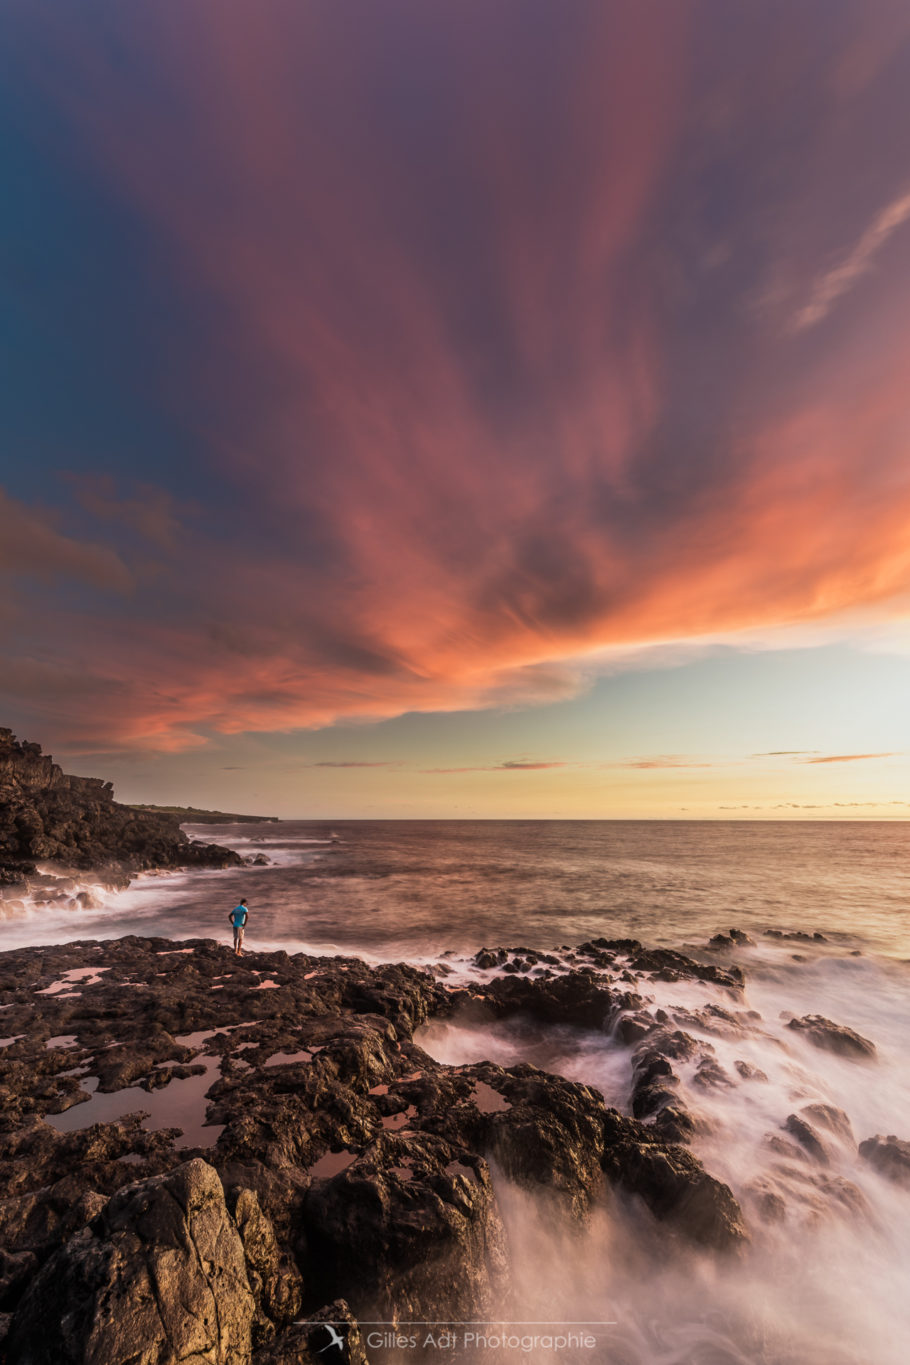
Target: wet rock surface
833	1037
890	1156
277	1109
672	1183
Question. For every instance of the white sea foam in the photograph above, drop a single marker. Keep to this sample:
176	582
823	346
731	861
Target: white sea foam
821	1285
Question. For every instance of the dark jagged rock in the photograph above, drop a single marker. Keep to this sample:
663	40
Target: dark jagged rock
274	1278
890	1156
834	1120
808	1139
47	815
797	936
353	1164
669	965
655	1085
710	1075
575	998
736	938
158	1274
749	1072
833	1037
411	1227
540	1129
672	1183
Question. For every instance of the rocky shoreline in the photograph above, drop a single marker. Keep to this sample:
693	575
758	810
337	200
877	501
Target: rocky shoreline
329	1170
74	823
342	1170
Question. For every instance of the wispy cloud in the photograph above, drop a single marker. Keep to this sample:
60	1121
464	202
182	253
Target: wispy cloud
508	766
847	758
858	261
668	761
526	765
355	763
783	753
32	543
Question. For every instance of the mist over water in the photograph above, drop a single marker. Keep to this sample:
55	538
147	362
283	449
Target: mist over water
823	1281
412	889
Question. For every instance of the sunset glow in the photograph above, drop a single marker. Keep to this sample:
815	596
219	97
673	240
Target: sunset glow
462	408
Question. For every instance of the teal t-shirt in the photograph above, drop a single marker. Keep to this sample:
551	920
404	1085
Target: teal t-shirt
238	916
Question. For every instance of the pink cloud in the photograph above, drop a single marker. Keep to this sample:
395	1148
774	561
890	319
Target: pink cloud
481	404
31	544
845	758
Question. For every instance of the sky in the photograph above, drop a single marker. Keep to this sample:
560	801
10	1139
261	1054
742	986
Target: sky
460	409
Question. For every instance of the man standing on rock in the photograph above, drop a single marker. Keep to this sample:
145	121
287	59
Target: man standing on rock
238	918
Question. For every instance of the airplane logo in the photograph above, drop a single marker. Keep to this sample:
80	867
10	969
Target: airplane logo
336	1339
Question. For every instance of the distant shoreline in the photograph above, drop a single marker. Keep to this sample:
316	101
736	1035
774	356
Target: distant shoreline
190	815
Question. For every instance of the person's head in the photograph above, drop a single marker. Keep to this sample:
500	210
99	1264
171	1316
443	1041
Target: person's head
243	901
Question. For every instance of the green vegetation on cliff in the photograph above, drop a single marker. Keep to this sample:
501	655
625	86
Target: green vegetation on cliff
192	815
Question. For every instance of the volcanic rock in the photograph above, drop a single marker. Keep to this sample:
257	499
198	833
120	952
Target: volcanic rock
575	998
410	1227
672	1183
158	1274
808	1139
889	1155
329	1156
273	1274
669	965
47	815
833	1037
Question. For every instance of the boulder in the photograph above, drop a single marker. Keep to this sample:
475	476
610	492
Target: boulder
822	1033
834	1120
672	1183
890	1156
669	965
575	998
273	1274
158	1275
808	1139
409	1228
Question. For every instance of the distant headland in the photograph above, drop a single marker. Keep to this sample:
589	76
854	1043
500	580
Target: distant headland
192	815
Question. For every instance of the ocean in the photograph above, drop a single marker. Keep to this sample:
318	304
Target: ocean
411	890
824	1279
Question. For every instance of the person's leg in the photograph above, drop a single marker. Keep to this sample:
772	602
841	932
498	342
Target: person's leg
240	943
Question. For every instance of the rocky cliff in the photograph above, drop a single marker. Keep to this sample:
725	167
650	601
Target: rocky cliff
48	815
